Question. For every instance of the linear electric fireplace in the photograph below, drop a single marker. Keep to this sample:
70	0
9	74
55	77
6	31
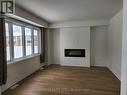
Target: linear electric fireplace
74	52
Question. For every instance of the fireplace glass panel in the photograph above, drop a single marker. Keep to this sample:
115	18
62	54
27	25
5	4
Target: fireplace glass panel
74	52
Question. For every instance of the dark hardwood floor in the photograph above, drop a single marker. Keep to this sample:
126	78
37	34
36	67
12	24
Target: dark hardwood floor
57	80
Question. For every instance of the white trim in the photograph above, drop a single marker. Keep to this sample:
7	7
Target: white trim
22	59
124	51
114	72
23	19
80	23
100	65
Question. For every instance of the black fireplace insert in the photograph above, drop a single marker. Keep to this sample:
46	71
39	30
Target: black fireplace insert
74	52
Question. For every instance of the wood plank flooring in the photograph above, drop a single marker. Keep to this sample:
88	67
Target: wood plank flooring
58	80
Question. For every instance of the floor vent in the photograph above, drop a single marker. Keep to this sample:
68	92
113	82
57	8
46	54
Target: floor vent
14	86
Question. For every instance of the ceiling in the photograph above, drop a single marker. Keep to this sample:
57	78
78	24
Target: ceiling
55	11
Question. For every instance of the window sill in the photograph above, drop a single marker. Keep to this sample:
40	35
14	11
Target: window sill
22	59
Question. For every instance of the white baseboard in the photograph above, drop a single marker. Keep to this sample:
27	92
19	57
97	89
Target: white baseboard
114	72
74	65
99	65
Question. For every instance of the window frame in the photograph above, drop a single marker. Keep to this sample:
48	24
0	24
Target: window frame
39	38
9	41
31	40
23	25
16	24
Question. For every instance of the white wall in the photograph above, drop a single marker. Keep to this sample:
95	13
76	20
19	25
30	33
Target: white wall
115	44
70	38
55	46
75	38
124	51
47	48
20	70
99	46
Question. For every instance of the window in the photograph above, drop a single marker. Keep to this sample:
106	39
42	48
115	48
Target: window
17	41
28	41
36	40
21	40
7	41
